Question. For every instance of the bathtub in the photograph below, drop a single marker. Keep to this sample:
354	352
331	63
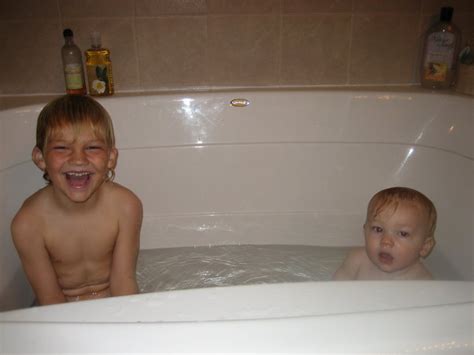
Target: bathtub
263	167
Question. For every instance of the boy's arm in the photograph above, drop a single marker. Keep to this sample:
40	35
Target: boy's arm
36	262
349	268
122	276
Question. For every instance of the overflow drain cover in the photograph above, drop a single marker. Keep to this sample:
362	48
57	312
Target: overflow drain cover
239	102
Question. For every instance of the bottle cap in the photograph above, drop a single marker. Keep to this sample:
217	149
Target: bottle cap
95	39
446	14
68	33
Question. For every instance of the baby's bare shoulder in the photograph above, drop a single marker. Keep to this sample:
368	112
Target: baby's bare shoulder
357	253
351	265
420	272
356	258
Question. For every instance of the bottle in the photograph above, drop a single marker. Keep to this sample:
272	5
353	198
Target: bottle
72	65
441	46
99	68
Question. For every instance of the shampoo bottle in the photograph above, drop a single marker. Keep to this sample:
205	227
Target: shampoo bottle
99	68
441	46
72	65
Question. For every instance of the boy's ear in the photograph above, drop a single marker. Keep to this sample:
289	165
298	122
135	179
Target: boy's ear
38	158
427	247
113	156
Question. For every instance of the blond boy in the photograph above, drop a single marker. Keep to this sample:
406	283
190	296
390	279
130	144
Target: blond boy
78	237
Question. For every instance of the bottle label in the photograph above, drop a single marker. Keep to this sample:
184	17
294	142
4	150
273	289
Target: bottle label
72	73
439	56
99	77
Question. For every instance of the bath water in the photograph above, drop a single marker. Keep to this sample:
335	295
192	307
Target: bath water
167	269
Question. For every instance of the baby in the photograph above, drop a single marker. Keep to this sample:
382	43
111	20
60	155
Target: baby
399	231
78	237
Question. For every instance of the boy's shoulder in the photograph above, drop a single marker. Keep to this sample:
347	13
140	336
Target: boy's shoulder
28	218
119	191
35	202
121	196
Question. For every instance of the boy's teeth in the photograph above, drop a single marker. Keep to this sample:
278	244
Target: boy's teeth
78	179
78	173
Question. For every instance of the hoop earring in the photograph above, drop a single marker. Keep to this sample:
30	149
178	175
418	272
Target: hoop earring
110	175
46	177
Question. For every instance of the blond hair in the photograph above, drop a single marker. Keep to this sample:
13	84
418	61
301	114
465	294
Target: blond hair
74	111
394	195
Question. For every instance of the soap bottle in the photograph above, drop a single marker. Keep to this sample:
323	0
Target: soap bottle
72	65
441	46
99	68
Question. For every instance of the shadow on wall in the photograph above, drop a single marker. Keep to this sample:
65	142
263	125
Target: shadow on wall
16	292
442	269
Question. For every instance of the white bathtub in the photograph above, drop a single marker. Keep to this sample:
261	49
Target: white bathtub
292	167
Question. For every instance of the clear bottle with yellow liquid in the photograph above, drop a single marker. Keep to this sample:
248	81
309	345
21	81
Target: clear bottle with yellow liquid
440	52
99	68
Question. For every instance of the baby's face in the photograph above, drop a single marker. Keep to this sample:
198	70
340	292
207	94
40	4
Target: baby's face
395	239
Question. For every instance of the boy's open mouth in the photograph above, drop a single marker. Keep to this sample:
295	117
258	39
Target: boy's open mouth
78	179
385	258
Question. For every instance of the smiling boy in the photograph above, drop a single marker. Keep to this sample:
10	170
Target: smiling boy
78	237
399	232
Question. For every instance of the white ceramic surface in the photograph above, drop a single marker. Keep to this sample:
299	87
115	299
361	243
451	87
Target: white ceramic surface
293	167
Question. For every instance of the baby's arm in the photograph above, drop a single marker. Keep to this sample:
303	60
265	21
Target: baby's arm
122	276
350	267
35	258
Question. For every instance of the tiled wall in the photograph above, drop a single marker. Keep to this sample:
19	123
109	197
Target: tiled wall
170	44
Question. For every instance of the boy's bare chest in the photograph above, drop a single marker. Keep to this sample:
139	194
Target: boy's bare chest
89	237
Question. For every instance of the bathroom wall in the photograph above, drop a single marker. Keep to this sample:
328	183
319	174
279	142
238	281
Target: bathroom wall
173	44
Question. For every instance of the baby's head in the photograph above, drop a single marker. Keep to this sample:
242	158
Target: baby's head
392	197
399	228
74	111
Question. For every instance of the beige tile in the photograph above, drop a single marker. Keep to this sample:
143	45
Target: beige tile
465	23
315	6
150	8
391	6
117	35
172	51
315	49
243	50
33	66
384	49
243	6
28	9
96	8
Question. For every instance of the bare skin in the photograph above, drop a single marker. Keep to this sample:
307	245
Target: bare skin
78	238
357	266
73	255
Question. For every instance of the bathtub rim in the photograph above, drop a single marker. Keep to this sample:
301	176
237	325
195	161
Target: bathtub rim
230	303
15	101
